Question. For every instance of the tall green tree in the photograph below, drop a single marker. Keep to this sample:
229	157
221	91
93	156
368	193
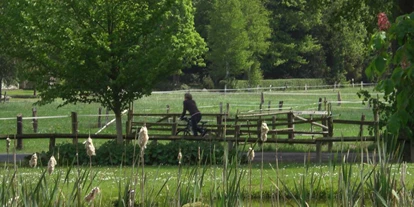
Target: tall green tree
259	33
238	36
292	42
109	52
228	41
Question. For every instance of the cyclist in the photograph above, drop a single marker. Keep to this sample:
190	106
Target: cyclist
190	105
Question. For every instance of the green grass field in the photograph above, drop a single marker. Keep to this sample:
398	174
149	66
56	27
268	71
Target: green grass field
57	120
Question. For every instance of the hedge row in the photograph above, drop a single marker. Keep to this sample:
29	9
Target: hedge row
283	82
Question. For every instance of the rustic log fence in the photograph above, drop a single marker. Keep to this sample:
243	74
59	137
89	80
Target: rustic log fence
241	128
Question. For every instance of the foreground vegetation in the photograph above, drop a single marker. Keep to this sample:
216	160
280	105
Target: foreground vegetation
382	181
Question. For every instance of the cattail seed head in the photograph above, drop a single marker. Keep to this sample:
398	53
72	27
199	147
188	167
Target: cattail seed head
33	160
250	154
90	149
8	143
264	129
51	165
179	157
91	196
143	137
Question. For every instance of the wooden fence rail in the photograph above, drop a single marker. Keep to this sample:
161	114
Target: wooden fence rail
240	128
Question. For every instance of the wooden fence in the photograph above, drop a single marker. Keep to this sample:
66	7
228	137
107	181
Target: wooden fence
240	128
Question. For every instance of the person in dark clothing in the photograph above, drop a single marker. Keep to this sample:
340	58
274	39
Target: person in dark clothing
190	105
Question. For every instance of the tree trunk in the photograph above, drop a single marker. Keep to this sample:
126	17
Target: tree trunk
118	121
1	85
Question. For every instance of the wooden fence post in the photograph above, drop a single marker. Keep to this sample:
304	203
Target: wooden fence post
330	132
99	117
19	131
174	128
291	120
376	122
320	104
318	151
107	117
339	98
128	129
74	117
273	125
361	127
325	123
262	98
227	109
259	127
52	144
280	105
268	106
34	115
219	119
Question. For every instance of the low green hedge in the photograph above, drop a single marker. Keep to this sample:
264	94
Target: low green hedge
156	153
283	82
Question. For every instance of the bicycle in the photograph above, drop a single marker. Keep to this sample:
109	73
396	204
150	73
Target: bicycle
188	130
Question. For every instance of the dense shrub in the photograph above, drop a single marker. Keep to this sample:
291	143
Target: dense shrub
111	153
283	83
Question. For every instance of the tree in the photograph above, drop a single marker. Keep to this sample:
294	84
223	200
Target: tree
259	33
8	73
238	36
228	41
292	42
109	52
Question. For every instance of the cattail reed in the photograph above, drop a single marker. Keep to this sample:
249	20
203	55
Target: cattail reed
90	149
250	157
263	136
131	198
142	142
51	165
250	154
33	160
179	157
8	147
92	195
8	144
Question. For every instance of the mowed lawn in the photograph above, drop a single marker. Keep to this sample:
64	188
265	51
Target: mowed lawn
54	119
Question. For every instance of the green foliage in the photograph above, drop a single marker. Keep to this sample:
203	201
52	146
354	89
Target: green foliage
100	51
393	67
111	153
208	82
283	83
237	35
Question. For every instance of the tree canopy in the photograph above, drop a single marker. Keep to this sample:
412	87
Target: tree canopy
110	52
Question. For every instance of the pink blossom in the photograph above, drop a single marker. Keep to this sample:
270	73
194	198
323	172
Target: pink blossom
383	23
